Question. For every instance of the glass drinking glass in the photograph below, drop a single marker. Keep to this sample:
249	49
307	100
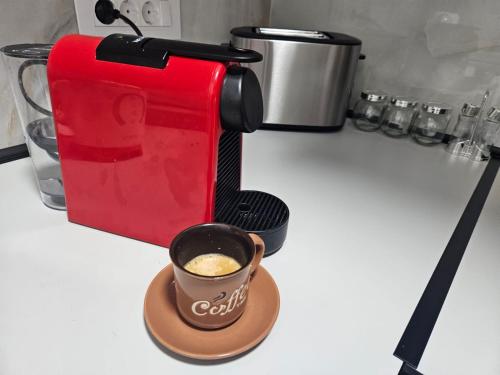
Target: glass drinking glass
486	135
461	136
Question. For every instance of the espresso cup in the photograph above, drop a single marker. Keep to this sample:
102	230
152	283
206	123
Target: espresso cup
212	302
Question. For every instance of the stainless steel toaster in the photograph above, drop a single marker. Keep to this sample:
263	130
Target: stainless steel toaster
306	76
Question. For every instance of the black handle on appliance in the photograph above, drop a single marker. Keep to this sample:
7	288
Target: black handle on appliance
20	73
154	52
241	104
362	56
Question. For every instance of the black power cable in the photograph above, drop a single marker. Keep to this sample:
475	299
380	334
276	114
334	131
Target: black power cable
107	14
130	23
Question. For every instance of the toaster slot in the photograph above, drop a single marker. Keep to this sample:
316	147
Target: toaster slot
310	34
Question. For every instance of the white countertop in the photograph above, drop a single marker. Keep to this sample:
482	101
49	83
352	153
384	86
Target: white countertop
370	217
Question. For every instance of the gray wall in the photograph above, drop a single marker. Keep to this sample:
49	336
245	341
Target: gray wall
432	49
210	20
31	21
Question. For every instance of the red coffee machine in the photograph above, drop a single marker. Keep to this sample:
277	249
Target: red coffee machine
149	136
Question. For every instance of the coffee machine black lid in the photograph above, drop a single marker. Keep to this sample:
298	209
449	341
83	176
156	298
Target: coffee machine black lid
154	52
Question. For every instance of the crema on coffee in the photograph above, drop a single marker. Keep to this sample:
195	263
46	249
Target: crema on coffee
213	264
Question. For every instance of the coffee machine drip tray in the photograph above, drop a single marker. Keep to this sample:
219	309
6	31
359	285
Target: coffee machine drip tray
257	212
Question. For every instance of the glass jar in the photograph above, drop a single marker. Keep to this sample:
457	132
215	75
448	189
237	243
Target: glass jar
367	113
485	135
461	136
399	116
430	126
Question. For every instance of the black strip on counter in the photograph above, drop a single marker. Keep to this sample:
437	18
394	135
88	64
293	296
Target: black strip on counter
408	370
13	153
418	331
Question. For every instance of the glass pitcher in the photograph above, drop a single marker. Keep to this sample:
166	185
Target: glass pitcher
26	67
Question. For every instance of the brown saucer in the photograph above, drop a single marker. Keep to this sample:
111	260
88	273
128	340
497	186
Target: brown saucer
165	324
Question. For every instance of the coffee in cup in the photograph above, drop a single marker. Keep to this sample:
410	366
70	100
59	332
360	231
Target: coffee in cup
213	264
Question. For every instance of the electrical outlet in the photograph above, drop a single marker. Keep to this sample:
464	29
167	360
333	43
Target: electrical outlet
130	10
155	18
151	14
156	13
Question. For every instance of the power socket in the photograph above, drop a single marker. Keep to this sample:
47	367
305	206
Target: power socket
151	13
130	10
155	18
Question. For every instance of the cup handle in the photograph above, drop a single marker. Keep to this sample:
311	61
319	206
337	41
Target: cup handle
259	252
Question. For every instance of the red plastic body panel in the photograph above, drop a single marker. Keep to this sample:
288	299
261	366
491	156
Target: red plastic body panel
138	145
